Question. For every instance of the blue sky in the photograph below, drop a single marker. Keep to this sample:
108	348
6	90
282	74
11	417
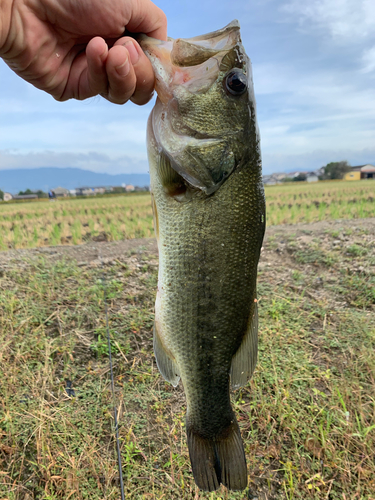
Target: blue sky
314	74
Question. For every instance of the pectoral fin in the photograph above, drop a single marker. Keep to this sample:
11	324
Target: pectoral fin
171	180
155	217
166	365
245	359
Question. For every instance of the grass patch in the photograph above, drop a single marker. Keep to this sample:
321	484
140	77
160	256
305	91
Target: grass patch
307	417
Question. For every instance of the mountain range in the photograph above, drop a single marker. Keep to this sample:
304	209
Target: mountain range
13	181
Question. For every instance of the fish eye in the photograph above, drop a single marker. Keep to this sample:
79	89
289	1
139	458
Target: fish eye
236	82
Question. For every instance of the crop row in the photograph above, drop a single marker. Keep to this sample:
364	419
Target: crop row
109	219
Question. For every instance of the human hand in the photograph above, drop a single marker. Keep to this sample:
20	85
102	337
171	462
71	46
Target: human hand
72	49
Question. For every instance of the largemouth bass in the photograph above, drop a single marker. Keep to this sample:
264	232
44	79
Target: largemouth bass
209	216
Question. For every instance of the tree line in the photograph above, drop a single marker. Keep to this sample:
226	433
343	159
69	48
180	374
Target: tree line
332	171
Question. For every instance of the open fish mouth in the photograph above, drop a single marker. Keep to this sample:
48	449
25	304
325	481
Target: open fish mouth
193	63
188	70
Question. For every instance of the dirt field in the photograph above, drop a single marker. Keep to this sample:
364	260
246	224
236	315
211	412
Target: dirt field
303	234
307	417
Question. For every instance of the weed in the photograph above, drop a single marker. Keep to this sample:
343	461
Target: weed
307	416
356	250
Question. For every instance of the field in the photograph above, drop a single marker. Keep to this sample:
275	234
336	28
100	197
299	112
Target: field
74	221
330	200
307	417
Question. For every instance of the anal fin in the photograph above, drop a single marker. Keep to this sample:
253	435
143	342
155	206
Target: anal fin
166	365
245	359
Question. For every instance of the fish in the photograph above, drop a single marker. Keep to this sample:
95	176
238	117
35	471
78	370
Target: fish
208	205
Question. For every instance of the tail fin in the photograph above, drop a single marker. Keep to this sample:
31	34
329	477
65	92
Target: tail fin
218	460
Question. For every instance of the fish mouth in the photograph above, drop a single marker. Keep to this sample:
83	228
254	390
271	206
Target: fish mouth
188	66
193	63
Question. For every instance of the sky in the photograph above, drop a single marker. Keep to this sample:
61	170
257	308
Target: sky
314	77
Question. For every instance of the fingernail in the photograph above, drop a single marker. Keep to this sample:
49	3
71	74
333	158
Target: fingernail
123	69
133	52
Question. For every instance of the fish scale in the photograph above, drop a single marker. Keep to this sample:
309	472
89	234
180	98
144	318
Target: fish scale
210	221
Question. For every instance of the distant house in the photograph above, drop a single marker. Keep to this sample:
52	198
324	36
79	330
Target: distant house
268	180
61	192
99	190
298	174
25	197
353	175
360	172
84	191
276	178
7	197
319	172
129	188
311	177
280	176
91	191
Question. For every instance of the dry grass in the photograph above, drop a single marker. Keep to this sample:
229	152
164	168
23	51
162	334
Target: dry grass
307	417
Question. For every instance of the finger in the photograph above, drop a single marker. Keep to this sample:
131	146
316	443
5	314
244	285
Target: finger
96	53
120	74
145	78
149	19
87	74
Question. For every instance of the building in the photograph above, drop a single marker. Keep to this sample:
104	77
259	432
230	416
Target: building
61	192
311	177
293	175
360	172
269	180
352	176
7	197
280	176
84	191
101	190
319	172
91	191
25	197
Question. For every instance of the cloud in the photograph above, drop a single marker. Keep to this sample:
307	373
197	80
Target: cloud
96	162
31	120
346	21
368	60
300	112
314	66
315	159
